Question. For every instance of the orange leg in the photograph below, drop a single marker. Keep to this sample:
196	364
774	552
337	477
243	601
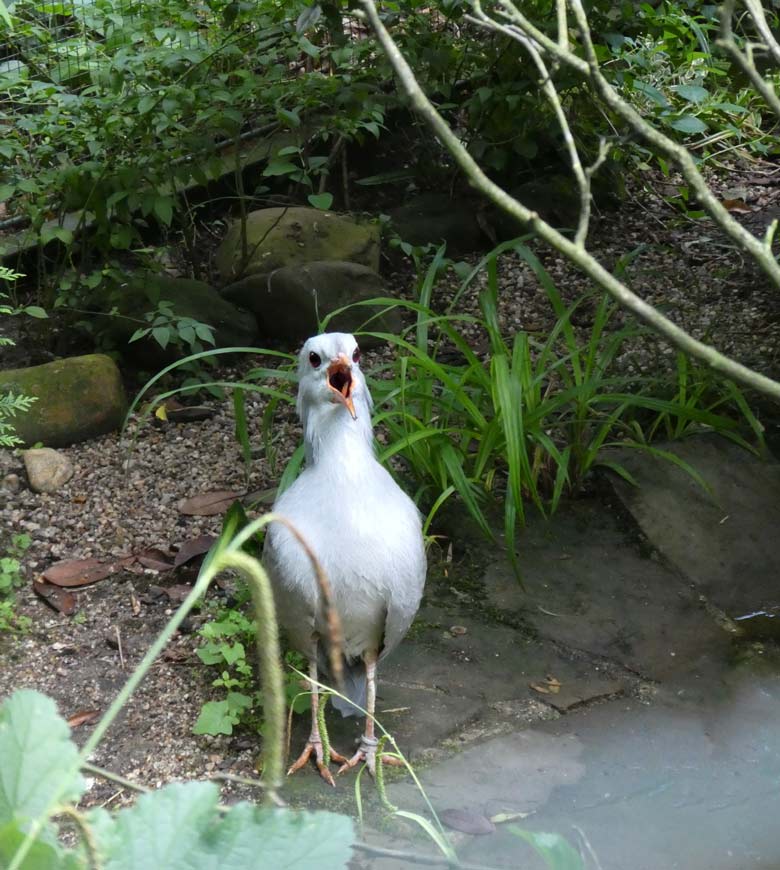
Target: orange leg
314	743
368	742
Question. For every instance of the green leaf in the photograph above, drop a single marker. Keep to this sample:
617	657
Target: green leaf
279	167
215	718
289	118
42	855
179	827
691	93
147	103
321	200
205	332
163	209
39	760
7	191
162	335
688	124
61	233
651	92
35	311
555	850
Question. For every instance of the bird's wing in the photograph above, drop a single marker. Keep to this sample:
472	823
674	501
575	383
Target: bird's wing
405	601
295	599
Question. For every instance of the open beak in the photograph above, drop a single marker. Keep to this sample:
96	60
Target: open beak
341	384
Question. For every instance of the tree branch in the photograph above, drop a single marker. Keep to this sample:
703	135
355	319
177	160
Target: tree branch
590	266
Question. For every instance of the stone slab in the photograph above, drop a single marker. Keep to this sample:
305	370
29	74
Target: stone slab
726	543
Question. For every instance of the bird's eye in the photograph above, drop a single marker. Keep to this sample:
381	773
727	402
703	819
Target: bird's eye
315	360
356	355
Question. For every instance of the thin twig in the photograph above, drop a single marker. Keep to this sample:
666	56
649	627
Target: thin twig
743	61
416	857
88	767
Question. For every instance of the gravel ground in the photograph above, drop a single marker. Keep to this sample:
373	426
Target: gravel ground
120	502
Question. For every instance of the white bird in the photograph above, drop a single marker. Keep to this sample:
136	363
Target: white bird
363	528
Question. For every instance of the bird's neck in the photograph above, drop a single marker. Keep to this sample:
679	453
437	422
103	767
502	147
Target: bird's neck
332	437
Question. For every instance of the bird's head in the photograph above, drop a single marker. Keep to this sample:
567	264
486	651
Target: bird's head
329	375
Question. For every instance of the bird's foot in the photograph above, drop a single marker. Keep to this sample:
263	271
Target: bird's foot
314	746
367	752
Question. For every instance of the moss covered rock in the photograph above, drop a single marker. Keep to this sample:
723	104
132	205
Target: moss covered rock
290	302
78	398
278	237
189	298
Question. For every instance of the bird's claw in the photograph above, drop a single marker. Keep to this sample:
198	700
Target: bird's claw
314	745
367	752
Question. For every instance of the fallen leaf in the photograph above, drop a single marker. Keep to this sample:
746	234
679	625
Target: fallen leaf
83	717
551	686
467	821
190	413
155	559
458	630
501	818
60	599
135	605
192	548
738	206
538	688
178	592
208	504
77	572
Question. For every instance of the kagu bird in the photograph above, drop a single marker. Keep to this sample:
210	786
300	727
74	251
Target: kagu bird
363	528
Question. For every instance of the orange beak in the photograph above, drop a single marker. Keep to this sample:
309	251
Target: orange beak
341	384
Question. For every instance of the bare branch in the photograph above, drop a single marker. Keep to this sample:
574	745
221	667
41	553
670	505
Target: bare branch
745	60
756	12
591	267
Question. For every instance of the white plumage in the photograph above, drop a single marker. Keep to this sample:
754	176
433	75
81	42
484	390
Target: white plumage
364	529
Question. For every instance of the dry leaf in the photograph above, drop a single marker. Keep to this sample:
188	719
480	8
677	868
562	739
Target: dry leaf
551	686
77	572
192	548
190	413
60	599
501	818
458	630
83	717
155	559
467	821
178	592
738	206
208	504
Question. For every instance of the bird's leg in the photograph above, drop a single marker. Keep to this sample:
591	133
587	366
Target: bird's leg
368	742
318	738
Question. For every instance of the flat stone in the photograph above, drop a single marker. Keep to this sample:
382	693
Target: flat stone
589	586
47	469
725	543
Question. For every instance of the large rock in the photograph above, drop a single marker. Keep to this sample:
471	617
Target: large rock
196	299
278	237
78	398
47	469
288	301
433	218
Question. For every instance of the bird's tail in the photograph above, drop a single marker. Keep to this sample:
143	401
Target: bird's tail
355	689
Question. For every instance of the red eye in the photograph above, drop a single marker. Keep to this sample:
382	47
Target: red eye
314	359
356	355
